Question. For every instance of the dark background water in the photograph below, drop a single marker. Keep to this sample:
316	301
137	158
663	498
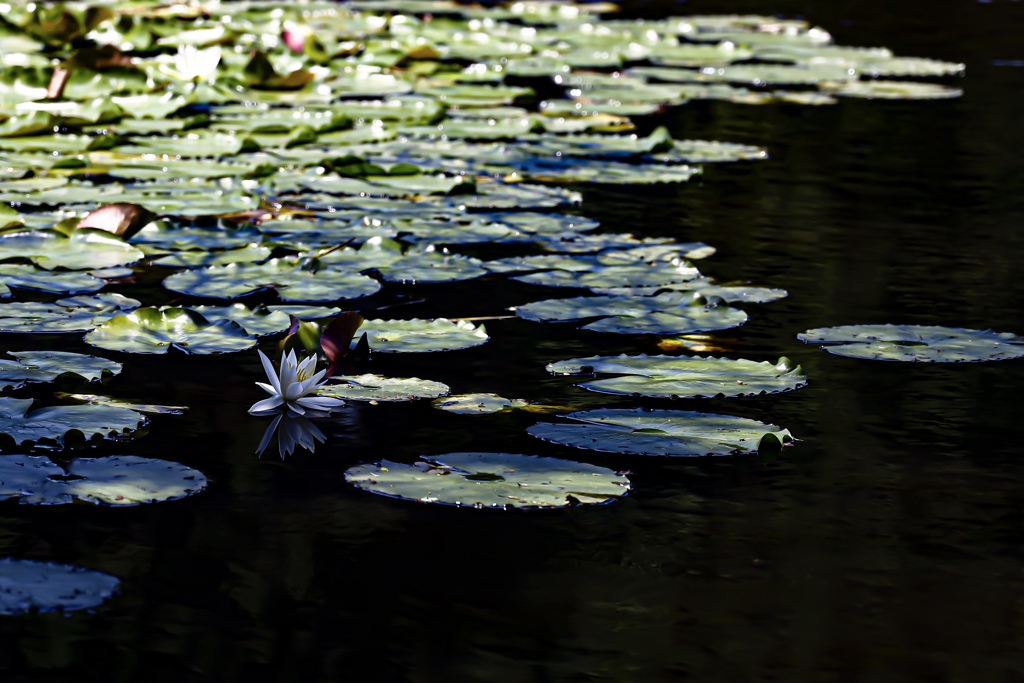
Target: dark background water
885	546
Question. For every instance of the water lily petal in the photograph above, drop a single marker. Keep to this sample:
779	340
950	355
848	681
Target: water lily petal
321	403
267	388
306	367
269	434
309	385
266	405
268	367
289	367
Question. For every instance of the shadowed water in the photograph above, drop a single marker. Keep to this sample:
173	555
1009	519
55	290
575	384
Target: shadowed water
885	546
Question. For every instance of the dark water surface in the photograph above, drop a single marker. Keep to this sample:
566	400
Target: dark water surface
887	545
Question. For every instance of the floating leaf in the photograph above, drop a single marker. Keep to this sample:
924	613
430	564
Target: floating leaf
27	587
21	276
156	330
376	388
47	366
672	376
120	480
416	335
891	90
258	322
83	250
658	432
916	343
53	423
75	314
492	480
468	404
291	280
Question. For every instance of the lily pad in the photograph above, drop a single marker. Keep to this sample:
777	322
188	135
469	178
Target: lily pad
74	314
668	313
83	250
492	480
673	376
27	587
477	404
376	388
418	336
120	480
891	90
916	343
659	432
23	276
156	330
291	280
53	423
47	366
258	322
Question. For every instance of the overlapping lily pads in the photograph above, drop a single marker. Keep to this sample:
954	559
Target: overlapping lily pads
678	377
120	480
659	432
492	480
477	404
916	343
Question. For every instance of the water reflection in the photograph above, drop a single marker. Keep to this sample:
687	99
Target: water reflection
291	430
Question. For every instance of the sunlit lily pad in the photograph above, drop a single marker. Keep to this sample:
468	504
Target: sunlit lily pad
376	388
47	366
658	432
291	280
916	343
83	250
477	404
157	330
53	423
492	480
258	322
674	376
414	336
120	480
27	587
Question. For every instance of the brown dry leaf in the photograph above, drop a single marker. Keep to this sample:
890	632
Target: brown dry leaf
121	219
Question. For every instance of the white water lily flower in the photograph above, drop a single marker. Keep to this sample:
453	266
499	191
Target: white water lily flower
193	64
293	387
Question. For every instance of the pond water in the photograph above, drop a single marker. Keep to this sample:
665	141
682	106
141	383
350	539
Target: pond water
885	545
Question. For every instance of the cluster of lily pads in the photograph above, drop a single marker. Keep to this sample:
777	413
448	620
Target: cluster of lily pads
300	155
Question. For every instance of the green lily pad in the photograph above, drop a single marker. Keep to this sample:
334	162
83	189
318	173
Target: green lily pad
890	90
291	280
74	314
433	267
477	404
658	432
916	343
156	330
53	423
376	388
83	250
23	276
252	253
673	376
703	286
492	480
47	366
258	322
118	481
419	336
598	276
668	313
28	587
